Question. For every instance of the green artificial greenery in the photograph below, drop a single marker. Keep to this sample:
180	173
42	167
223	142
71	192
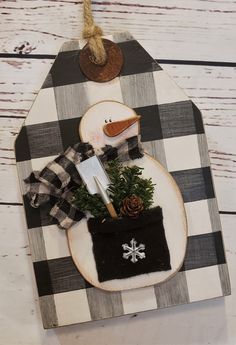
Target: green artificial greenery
87	202
125	182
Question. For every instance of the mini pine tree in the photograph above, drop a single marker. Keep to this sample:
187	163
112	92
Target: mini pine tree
126	182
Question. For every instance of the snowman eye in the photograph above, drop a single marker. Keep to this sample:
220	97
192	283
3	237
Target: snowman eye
106	121
110	120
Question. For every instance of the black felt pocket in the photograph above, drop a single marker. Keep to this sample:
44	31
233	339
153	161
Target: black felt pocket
128	247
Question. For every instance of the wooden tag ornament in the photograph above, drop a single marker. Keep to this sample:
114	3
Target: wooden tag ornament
171	131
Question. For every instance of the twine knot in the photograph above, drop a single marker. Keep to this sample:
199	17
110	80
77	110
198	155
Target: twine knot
92	31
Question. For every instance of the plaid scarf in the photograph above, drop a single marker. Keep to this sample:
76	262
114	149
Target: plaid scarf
56	183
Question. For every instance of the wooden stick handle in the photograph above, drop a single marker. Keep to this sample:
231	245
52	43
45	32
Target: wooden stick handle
111	210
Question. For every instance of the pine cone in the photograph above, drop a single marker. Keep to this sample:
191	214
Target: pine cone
132	206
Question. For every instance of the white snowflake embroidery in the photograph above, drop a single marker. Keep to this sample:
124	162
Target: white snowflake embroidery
133	251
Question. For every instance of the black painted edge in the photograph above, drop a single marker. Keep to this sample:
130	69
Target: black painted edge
27	56
11	203
228	212
197	63
162	61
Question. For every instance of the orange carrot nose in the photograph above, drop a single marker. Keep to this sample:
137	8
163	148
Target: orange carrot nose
113	129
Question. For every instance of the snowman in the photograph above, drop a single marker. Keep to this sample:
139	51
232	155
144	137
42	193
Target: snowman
109	123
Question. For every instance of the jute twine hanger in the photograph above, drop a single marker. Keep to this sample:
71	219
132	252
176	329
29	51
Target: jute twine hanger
93	34
100	60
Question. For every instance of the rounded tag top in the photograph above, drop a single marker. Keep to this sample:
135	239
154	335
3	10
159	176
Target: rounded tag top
106	72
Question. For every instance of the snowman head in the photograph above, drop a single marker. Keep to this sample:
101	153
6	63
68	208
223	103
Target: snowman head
108	123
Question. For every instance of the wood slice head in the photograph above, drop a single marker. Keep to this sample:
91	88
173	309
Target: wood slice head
108	123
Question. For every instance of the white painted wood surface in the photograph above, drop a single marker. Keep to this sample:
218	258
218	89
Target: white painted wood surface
168	29
195	29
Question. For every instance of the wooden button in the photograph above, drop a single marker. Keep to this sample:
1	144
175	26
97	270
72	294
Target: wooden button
104	73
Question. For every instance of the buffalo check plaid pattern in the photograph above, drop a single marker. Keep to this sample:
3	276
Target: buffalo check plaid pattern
172	131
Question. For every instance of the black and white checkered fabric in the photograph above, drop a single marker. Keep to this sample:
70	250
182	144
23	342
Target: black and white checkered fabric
57	181
173	132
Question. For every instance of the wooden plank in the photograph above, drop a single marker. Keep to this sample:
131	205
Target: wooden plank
17	283
174	30
213	89
9	128
20	83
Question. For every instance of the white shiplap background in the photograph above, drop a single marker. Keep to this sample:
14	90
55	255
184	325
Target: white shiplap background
170	30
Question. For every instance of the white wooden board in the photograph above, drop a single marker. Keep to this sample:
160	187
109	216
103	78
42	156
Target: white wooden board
186	30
